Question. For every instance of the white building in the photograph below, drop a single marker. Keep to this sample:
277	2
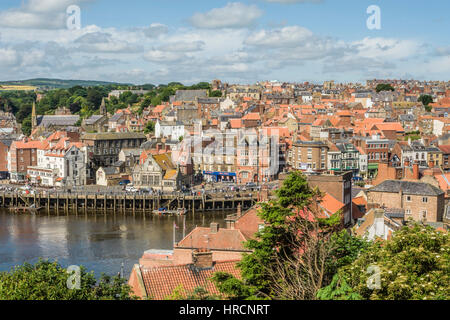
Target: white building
175	130
60	164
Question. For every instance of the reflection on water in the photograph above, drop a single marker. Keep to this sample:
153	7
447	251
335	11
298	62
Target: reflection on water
99	242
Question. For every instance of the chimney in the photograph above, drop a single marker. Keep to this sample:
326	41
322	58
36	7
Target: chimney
202	258
239	210
431	164
214	227
407	163
416	171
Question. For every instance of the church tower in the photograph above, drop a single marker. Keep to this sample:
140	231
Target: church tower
33	116
103	110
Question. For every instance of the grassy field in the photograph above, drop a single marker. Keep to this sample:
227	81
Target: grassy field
16	88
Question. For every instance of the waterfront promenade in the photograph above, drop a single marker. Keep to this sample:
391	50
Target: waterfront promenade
61	202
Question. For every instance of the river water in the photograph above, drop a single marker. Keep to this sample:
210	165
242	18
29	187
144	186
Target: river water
99	242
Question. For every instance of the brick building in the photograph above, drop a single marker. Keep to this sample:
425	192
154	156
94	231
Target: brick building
338	185
417	200
309	156
22	154
5	144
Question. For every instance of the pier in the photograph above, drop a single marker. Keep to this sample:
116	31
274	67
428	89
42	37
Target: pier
124	203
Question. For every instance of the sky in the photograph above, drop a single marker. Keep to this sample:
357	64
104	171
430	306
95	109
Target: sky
188	41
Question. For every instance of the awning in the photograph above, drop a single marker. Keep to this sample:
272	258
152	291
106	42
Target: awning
216	173
372	166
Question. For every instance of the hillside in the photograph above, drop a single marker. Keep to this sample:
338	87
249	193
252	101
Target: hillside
43	83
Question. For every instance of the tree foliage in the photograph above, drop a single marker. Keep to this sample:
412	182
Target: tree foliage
296	253
48	281
413	265
384	87
86	101
425	99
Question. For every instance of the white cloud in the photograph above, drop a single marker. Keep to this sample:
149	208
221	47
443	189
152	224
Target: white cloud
104	42
233	15
8	57
38	14
285	37
183	46
386	48
294	1
442	51
155	30
163	56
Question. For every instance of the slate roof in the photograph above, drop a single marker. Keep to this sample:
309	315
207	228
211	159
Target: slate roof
113	136
406	117
407	187
109	170
189	95
47	121
93	119
116	117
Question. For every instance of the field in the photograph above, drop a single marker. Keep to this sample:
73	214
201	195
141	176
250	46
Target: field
16	88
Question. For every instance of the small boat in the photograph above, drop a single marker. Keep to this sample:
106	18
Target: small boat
31	209
165	212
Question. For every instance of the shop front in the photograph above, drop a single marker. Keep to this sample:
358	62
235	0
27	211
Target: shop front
216	176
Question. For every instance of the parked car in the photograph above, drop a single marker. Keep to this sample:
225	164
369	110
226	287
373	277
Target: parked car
124	182
130	188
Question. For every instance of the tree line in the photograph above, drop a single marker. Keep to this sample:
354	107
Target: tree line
86	101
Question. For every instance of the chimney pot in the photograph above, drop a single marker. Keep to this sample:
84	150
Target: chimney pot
202	258
214	227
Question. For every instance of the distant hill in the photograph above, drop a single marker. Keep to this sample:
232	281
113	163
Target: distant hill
43	83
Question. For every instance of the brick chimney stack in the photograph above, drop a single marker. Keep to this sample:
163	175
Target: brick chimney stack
214	227
416	171
431	164
239	210
202	258
407	163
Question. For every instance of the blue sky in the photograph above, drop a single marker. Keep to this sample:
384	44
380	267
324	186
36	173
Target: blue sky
156	41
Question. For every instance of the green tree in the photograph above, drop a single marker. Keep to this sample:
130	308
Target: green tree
216	93
149	127
156	101
48	281
94	97
426	100
295	254
26	126
413	265
384	87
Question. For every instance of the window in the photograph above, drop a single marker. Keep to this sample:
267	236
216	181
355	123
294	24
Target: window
425	199
408	211
408	198
423	214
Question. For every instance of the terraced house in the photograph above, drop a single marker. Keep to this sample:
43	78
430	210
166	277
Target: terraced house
103	148
417	200
157	172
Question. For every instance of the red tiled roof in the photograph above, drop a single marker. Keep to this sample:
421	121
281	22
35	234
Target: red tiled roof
160	282
224	239
331	204
252	116
445	148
